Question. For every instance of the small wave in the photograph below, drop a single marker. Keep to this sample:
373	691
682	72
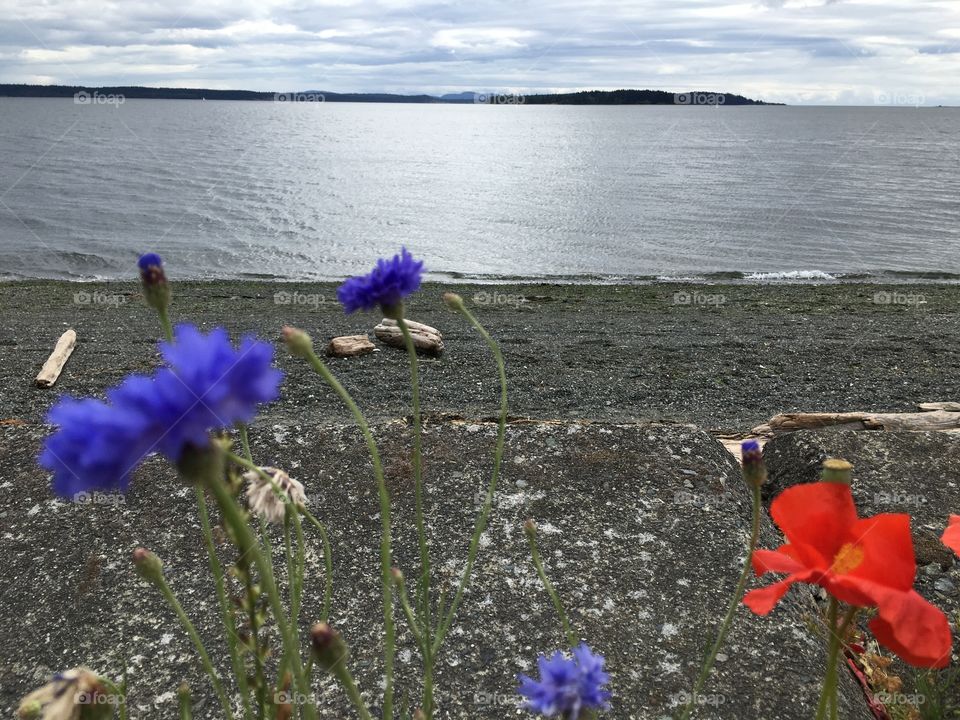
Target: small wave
791	275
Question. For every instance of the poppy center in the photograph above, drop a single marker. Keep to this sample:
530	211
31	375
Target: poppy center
847	559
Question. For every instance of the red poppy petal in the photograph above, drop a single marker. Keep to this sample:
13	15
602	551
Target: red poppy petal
951	538
914	629
887	550
777	561
763	600
816	514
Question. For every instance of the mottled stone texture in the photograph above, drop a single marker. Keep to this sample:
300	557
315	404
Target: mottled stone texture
642	529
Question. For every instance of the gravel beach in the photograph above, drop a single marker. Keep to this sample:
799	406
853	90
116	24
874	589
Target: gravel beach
723	357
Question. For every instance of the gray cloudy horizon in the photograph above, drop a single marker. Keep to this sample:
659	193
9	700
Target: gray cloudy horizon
856	52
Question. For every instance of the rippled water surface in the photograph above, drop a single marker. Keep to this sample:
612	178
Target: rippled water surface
227	189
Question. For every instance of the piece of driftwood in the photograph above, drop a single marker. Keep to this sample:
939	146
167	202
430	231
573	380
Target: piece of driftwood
350	346
425	338
58	358
948	406
931	420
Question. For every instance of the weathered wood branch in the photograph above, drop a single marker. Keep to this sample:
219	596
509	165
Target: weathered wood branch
425	338
350	346
58	358
931	420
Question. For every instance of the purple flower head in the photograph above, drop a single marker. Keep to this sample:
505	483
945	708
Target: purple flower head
149	260
207	385
567	686
754	469
385	286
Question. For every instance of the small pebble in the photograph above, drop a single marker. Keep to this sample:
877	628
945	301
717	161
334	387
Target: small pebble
945	587
721	657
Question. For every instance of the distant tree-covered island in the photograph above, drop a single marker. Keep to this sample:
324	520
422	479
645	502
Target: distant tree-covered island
103	95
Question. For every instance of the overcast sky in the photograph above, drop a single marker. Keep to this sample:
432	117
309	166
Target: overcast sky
795	51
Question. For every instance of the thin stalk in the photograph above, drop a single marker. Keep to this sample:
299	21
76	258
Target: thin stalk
226	612
572	639
342	673
408	612
389	629
828	692
165	324
171	599
423	592
735	601
300	565
248	544
328	562
484	517
244	441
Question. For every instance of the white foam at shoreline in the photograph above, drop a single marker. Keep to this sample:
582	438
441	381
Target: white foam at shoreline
791	275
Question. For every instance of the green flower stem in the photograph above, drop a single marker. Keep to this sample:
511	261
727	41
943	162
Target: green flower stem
165	324
328	562
301	562
183	697
226	610
572	639
423	594
171	599
735	601
831	682
244	441
288	516
408	611
248	544
389	630
483	518
342	673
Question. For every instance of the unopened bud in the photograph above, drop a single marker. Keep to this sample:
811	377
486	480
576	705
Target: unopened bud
148	565
298	342
419	714
836	470
329	648
156	290
202	464
530	528
31	710
754	469
453	301
397	576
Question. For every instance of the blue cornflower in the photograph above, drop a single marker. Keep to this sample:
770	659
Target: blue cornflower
149	260
385	286
207	385
567	686
156	290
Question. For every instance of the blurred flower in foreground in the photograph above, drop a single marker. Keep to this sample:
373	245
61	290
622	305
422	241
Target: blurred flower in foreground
951	537
567	686
264	502
385	286
72	695
865	562
207	385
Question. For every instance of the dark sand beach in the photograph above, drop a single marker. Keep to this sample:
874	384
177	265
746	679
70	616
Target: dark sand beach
726	360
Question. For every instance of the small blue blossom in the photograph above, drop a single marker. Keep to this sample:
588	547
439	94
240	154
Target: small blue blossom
149	260
385	286
207	385
567	686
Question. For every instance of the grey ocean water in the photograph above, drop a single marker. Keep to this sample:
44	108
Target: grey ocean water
316	190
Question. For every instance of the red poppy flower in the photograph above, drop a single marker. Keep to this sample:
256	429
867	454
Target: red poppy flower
866	562
951	537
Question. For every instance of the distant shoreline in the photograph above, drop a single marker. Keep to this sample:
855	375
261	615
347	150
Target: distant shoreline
88	94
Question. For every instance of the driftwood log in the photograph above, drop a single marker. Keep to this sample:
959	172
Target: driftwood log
948	406
58	358
425	338
933	419
350	346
